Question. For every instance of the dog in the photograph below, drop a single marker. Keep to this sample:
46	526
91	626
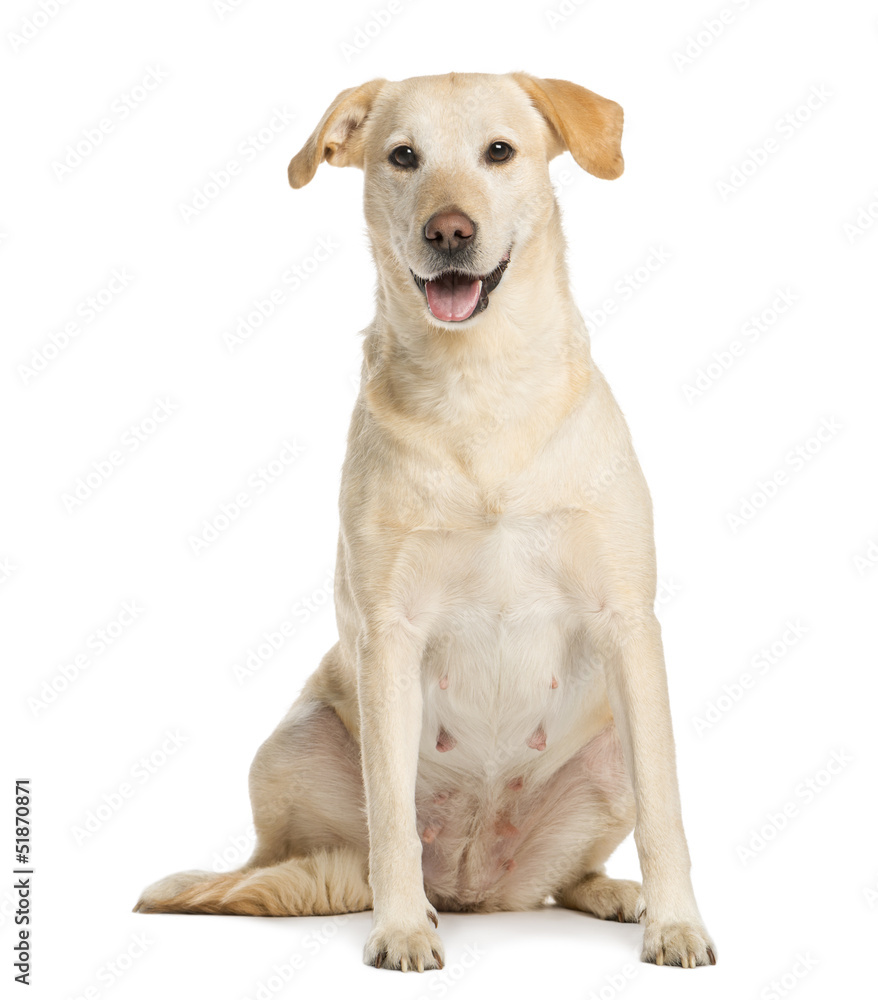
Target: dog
494	719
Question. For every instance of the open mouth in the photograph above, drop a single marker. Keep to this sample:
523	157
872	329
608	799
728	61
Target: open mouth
454	296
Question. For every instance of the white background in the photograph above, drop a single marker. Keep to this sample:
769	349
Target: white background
808	555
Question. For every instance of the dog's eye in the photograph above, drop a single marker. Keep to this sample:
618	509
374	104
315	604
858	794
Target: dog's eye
499	151
404	156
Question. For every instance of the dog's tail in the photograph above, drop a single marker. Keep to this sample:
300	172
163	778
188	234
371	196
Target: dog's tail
325	882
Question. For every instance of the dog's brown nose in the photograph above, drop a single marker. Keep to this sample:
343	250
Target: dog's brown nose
449	231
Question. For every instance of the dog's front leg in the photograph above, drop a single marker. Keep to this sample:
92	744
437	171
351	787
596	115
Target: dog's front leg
631	648
389	688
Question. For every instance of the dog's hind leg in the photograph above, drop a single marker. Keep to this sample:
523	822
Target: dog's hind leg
306	788
311	854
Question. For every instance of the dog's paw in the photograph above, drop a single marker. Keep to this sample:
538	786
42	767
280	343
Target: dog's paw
617	900
409	949
685	944
607	898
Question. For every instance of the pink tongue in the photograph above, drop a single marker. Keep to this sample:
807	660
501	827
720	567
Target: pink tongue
453	296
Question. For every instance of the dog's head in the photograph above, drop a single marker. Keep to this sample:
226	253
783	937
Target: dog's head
457	181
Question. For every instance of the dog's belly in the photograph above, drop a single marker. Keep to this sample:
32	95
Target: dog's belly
505	844
506	677
509	688
520	766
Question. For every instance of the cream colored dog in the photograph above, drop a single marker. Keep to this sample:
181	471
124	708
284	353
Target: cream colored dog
494	719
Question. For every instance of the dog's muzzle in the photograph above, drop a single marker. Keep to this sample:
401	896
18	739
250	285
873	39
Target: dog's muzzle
454	296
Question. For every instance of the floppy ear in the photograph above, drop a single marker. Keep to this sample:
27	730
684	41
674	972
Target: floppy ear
589	125
336	138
